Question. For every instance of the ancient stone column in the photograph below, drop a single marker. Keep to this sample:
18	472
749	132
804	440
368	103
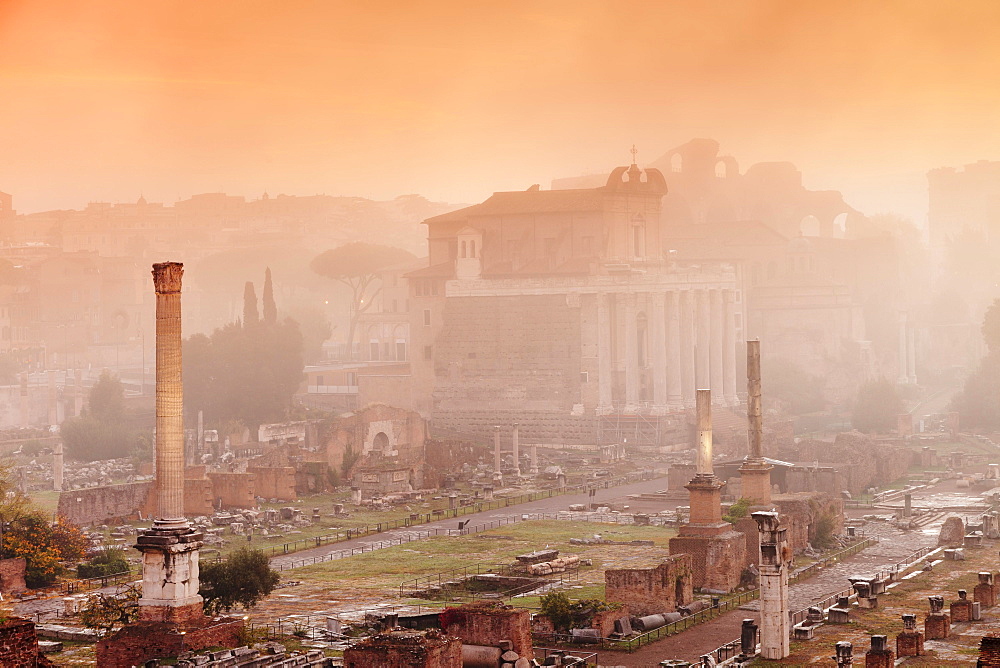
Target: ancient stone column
703	340
78	392
25	406
631	354
169	397
534	458
170	549
729	354
604	373
52	397
687	346
755	473
496	447
703	415
515	447
717	350
57	467
658	345
673	338
774	550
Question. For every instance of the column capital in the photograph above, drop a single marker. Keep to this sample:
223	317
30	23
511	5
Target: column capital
167	277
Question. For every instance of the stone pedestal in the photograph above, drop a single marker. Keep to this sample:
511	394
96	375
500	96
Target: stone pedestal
910	643
880	655
774	554
755	476
170	576
961	610
718	553
937	626
984	592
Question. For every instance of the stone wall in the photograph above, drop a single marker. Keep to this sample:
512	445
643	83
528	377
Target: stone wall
651	591
405	649
139	642
197	495
487	623
802	513
860	460
12	576
101	505
519	352
274	482
19	645
235	490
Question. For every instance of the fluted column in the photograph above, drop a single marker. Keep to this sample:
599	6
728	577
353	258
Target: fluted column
516	447
703	340
631	354
673	339
169	396
717	351
658	343
729	342
687	346
604	371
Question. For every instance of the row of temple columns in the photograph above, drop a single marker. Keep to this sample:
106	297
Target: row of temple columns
691	342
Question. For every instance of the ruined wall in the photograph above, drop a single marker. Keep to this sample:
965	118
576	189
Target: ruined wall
861	460
99	505
236	490
393	390
651	591
405	432
518	352
12	576
19	645
487	623
197	495
444	456
274	482
405	649
140	641
803	514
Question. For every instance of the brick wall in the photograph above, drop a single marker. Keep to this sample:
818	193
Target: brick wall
197	495
236	490
100	505
19	645
909	643
12	576
274	482
989	652
801	514
650	591
139	642
405	649
487	623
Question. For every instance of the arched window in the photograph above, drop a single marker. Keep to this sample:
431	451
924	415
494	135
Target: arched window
463	249
381	442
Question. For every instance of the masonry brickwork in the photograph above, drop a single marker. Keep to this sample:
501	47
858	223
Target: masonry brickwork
651	591
274	482
98	505
989	652
405	649
486	623
234	490
12	576
19	645
910	643
139	642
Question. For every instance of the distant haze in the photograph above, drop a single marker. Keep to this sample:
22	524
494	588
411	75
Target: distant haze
106	100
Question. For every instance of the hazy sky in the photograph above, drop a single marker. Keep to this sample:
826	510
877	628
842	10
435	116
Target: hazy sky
453	100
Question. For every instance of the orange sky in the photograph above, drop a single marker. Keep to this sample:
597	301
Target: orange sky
103	100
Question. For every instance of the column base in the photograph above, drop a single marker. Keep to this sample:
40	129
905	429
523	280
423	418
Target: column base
755	478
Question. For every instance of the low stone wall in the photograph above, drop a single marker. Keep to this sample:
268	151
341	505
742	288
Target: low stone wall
274	482
651	591
235	490
137	643
19	645
487	623
101	505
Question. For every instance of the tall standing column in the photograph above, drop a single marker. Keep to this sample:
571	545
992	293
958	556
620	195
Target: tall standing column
534	458
717	346
703	412
515	447
658	341
703	321
169	397
687	345
170	548
496	448
729	342
774	627
57	467
631	354
604	372
755	473
673	350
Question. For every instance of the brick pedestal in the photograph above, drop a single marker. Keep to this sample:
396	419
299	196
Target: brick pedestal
137	643
716	560
937	626
405	649
879	656
910	643
985	595
961	611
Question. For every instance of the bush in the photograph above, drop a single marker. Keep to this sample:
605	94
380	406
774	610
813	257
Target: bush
565	614
110	561
737	511
243	579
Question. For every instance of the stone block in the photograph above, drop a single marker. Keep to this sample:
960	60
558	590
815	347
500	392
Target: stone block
937	626
650	591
